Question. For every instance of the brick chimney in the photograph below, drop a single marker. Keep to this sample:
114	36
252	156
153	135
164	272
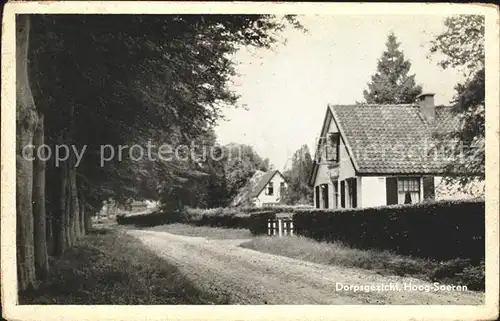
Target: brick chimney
427	108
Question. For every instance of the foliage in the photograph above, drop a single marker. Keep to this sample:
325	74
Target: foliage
391	84
133	78
452	228
240	164
461	46
299	191
219	217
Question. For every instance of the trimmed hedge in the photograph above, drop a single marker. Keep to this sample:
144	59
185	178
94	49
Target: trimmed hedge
217	217
151	219
258	222
230	217
225	221
439	230
242	210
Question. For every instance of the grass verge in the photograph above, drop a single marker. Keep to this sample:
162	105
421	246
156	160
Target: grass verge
216	233
110	267
457	272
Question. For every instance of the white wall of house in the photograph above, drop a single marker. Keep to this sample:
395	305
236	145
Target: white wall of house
373	191
322	177
345	170
262	198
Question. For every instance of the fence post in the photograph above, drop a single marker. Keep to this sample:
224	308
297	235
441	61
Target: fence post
291	227
269	227
274	227
280	227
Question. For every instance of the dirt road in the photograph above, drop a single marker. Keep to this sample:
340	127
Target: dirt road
249	277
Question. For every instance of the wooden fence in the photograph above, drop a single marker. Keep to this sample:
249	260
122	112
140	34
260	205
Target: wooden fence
280	226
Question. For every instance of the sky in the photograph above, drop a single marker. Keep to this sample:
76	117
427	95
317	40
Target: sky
286	90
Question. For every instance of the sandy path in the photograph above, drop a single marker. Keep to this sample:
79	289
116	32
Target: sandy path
251	277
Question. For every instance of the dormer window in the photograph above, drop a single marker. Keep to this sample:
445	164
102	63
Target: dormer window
270	189
332	147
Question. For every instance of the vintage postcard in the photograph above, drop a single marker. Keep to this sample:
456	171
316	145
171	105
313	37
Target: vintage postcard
249	161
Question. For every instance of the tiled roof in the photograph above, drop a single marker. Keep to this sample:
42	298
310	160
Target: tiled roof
263	182
392	138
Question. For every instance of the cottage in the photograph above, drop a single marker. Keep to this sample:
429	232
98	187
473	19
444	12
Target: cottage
269	190
374	155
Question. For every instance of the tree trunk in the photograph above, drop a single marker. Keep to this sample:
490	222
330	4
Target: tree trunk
67	206
26	119
50	233
40	245
82	215
59	216
88	221
75	208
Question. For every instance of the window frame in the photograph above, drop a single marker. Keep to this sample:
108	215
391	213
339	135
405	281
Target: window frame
331	147
409	184
270	189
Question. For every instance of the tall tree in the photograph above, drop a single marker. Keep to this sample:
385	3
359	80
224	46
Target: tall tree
26	122
241	162
461	45
299	191
39	213
392	84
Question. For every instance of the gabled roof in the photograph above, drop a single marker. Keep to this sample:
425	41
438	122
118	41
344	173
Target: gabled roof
391	139
263	182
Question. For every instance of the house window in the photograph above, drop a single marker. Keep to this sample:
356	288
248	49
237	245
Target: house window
332	148
282	185
408	190
270	189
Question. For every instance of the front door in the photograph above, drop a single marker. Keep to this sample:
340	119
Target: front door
317	197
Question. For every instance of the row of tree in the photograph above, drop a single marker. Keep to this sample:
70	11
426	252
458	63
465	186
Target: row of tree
95	80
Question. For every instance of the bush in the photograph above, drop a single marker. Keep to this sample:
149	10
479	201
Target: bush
439	230
225	220
215	217
151	219
473	276
274	209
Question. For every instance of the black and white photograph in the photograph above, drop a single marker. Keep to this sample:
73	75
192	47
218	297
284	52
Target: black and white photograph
265	154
